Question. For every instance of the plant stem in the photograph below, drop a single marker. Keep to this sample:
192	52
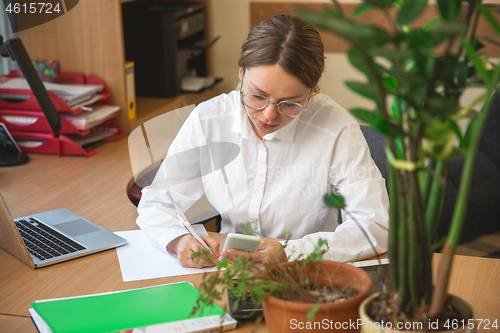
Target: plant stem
403	244
393	225
417	217
414	263
435	197
426	186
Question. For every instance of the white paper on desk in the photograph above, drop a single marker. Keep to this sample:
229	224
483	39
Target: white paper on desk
141	260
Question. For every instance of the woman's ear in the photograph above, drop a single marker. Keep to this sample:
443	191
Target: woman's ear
241	73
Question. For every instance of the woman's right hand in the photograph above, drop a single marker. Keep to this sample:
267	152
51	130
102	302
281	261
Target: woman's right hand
186	246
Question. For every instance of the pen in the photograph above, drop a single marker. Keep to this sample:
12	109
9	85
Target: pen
190	228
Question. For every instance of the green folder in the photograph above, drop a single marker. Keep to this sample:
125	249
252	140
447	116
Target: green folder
123	310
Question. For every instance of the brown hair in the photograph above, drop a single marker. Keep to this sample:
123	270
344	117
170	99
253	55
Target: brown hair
288	41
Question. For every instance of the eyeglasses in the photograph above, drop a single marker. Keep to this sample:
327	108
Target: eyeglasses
259	102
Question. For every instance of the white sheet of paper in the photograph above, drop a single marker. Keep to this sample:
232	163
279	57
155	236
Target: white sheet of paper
141	260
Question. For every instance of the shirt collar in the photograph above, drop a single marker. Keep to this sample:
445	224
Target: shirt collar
287	133
242	126
241	123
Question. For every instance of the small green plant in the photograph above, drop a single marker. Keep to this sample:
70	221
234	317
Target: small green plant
415	77
256	281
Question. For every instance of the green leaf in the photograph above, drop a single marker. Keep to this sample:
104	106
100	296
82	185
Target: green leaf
461	74
466	141
363	8
449	9
432	23
456	153
394	55
475	60
334	200
410	11
310	314
357	60
366	90
454	127
397	109
380	3
390	83
436	130
398	143
441	105
421	44
328	20
487	15
419	40
331	21
378	122
448	65
444	30
440	150
409	83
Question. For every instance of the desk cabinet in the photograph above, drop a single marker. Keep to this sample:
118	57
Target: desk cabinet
89	39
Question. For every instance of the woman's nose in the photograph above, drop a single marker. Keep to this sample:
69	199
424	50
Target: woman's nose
271	111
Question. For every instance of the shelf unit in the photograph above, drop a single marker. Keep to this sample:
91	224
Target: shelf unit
89	39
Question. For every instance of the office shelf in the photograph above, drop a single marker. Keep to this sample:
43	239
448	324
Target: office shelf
89	39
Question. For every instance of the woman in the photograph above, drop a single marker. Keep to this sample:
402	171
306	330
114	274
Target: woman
268	153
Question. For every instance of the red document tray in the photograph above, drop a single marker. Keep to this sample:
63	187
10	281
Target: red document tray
63	145
41	125
50	145
31	104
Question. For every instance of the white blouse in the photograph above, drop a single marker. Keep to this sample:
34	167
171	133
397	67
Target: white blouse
278	182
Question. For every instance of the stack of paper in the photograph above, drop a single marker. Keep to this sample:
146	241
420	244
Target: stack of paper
72	94
97	114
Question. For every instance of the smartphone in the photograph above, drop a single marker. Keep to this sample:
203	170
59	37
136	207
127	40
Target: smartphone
241	242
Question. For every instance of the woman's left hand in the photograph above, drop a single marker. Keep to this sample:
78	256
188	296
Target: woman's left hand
269	250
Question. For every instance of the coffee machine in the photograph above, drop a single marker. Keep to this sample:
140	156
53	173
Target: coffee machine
167	41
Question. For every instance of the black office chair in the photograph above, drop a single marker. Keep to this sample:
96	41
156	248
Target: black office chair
208	218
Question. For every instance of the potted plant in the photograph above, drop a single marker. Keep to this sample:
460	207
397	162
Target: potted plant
307	294
415	77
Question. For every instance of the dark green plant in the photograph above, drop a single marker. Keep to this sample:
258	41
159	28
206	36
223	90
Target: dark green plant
415	77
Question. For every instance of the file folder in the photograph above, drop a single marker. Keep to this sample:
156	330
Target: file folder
123	310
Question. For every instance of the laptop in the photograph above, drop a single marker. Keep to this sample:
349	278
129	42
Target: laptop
52	237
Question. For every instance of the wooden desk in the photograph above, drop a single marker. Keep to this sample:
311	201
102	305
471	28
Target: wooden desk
96	189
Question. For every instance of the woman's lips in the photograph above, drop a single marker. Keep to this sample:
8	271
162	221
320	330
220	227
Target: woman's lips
266	126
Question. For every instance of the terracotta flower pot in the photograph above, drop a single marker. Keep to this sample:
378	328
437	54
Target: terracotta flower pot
467	311
285	316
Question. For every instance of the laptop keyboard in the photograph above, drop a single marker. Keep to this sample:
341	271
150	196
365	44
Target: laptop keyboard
43	242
